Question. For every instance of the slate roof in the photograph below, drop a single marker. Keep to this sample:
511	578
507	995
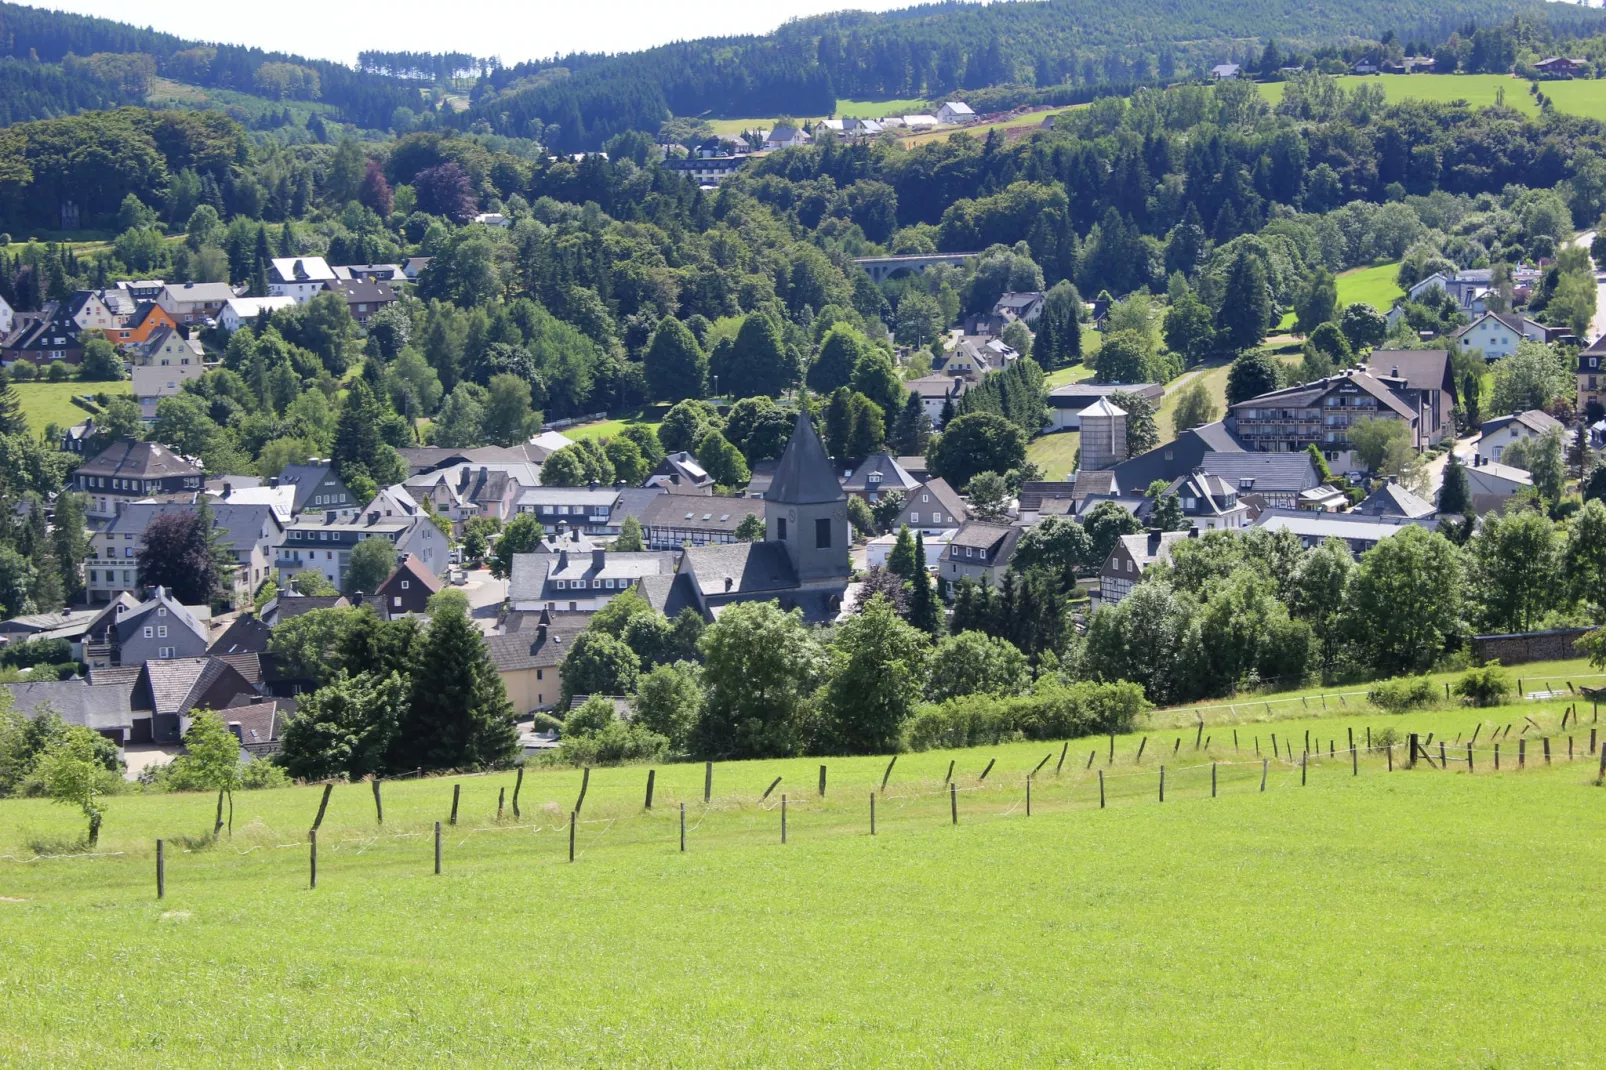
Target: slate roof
701	513
305	479
804	475
1391	499
410	568
300	269
528	649
246	634
1536	420
258	721
1306	395
748	566
421	459
953	504
128	459
1422	369
1077	396
982	536
668	594
893	477
176	684
1151	547
94	706
287	606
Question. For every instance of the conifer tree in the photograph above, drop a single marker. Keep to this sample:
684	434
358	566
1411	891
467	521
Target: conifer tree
923	611
459	716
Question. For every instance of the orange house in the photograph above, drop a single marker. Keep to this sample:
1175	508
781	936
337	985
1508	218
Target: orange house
147	317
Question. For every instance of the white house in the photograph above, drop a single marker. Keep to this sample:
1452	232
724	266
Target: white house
784	137
300	277
1518	427
152	383
955	112
1497	334
244	310
493	219
194	302
8	318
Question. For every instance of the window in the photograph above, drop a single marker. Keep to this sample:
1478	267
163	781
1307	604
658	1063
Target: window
405	584
822	534
925	498
161	631
914	518
560	585
936	518
164	652
396	601
162	612
608	584
150	633
1129	564
780	528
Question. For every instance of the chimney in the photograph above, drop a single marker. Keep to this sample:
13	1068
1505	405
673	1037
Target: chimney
356	598
328	516
540	632
592	485
729	583
563	560
574	536
599	559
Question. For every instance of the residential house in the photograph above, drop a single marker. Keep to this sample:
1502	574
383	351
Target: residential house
1592	378
44	337
323	543
803	561
955	112
1322	499
1396	502
127	471
784	136
1026	306
88	312
287	606
136	320
1066	403
1503	431
105	709
580	582
370	272
878	475
251	533
159	628
8	317
243	311
166	347
1425	379
464	491
414	266
680	473
300	277
1130	557
707	171
979	552
1497	334
528	659
493	219
318	489
1209	502
938	393
587	508
166	692
152	383
364	297
195	302
1493	484
931	508
423	459
1562	67
406	590
1225	71
1041	498
671	521
1322	412
280	499
1358	531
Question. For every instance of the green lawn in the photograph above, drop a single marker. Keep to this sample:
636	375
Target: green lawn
1055	454
1215	381
1406	918
607	428
1372	285
45	403
1479	90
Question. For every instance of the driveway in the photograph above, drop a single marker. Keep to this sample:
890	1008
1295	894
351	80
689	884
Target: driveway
485	597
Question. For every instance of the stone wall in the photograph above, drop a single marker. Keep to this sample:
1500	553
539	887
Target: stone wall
1521	647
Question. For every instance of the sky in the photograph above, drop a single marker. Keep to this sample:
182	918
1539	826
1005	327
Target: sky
514	30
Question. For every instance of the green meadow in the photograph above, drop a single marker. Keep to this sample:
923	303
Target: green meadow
47	403
1479	90
1374	285
1344	915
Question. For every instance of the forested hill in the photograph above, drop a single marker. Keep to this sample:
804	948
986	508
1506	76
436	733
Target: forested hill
938	49
27	33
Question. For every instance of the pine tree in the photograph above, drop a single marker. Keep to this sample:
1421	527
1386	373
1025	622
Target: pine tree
460	716
923	612
287	240
902	560
12	421
71	544
912	432
1456	495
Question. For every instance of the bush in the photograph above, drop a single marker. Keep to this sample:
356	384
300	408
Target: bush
615	743
545	722
592	717
260	773
1487	686
1403	693
1385	737
36	652
1054	711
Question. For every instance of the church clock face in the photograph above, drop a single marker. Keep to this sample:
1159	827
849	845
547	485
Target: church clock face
841	512
791	516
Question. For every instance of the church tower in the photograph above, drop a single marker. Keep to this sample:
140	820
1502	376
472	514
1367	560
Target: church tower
807	510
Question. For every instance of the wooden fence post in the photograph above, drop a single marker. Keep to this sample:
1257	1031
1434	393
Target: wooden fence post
771	788
457	792
652	774
1304	761
501	800
323	804
312	858
1112	749
682	828
1444	763
1175	747
783	817
1522	753
872	813
1101	789
1388	752
1355	760
1545	742
518	782
989	769
1066	749
1042	763
1592	732
888	773
1497	757
585	782
708	781
437	848
1162	783
953	801
1235	741
1028	795
1212	780
1602	772
161	870
574	819
946	777
822	781
1368	737
1197	736
379	805
1265	764
1275	752
1090	756
1144	742
1411	763
1569	748
1469	757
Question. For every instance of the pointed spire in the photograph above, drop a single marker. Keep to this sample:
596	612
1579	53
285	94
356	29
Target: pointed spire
804	474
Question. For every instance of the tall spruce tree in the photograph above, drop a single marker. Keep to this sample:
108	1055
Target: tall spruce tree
923	611
459	716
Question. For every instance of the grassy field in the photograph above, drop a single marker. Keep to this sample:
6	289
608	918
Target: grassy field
607	428
845	109
1373	285
1022	122
44	403
1476	89
1055	454
1404	918
1215	381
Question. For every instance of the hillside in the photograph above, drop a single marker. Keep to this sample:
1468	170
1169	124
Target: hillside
940	49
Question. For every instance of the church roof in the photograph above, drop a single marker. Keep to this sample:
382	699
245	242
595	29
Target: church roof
804	475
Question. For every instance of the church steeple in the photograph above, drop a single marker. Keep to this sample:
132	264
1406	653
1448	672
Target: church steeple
807	508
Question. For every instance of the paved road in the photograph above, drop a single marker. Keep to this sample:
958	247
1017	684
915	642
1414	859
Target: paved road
485	598
1598	327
